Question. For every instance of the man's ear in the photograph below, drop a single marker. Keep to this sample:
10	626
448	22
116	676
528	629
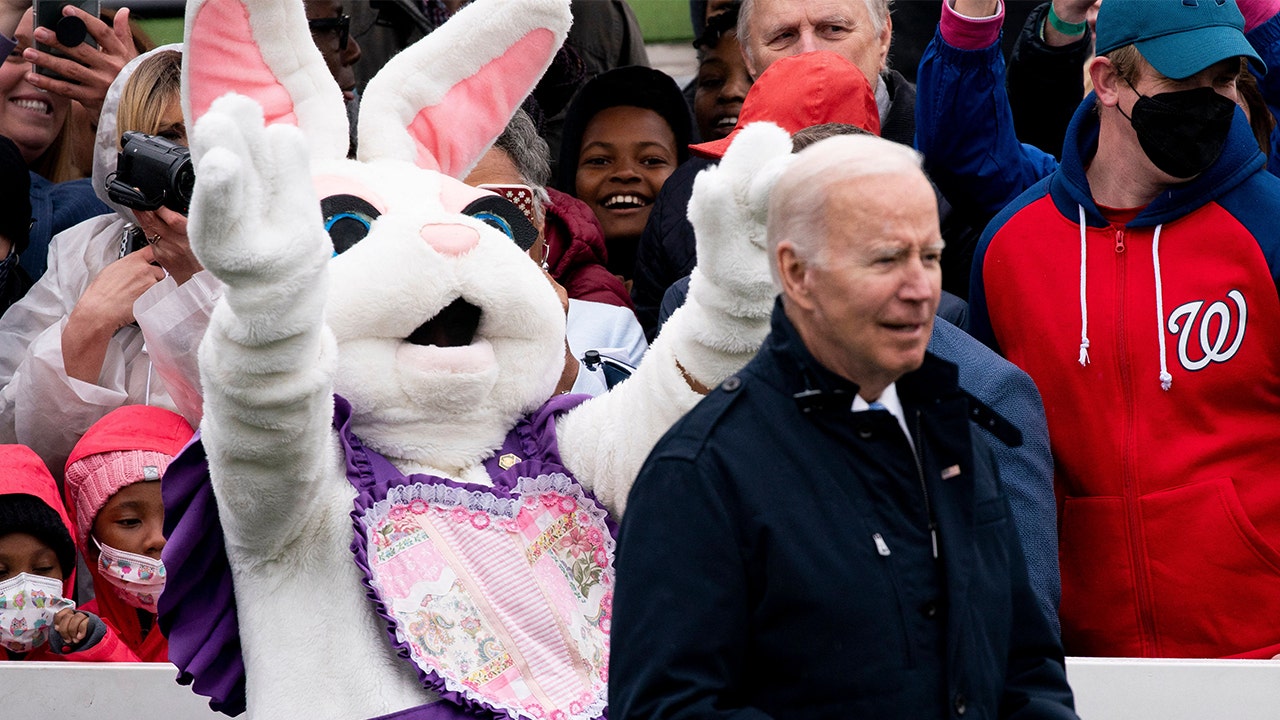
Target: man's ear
793	274
746	60
1106	81
886	39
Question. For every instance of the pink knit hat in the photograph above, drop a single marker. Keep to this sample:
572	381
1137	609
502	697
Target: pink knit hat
131	444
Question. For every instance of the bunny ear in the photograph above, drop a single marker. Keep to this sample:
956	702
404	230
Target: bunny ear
262	49
443	101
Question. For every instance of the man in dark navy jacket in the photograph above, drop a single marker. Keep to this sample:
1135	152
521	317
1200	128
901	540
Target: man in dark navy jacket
825	535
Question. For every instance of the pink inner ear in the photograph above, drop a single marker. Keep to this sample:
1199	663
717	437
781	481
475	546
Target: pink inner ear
451	135
222	57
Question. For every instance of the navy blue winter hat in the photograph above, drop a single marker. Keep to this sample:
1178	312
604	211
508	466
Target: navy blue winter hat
1178	37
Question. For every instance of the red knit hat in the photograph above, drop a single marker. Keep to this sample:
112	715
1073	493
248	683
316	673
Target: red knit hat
130	444
801	91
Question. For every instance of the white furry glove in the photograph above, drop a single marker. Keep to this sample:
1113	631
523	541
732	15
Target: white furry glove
731	293
255	219
266	359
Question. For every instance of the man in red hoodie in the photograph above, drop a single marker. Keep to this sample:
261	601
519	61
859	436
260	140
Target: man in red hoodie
1137	285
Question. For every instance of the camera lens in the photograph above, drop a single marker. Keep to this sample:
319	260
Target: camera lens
184	182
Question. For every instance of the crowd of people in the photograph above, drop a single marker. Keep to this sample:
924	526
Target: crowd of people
964	449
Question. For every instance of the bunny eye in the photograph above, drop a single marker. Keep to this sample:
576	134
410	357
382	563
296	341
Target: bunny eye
347	219
505	216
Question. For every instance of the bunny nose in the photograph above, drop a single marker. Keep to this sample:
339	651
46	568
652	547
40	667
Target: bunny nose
450	239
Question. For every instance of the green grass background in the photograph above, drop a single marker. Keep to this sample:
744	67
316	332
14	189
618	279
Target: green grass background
663	20
660	20
163	30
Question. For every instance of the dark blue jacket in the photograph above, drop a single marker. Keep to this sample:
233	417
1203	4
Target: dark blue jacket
54	208
1026	469
777	562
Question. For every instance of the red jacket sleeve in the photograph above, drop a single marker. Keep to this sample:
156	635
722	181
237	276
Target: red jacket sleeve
109	649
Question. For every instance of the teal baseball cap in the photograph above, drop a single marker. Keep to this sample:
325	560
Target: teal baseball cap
1178	37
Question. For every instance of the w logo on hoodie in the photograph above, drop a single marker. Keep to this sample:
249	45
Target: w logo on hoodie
1210	329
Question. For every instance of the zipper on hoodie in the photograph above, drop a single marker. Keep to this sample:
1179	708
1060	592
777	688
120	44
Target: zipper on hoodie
1129	490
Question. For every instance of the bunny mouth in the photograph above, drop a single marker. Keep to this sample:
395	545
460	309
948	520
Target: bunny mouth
454	326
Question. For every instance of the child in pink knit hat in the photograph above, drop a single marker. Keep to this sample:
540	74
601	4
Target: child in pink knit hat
113	493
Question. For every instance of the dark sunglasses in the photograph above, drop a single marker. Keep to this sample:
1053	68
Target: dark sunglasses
342	24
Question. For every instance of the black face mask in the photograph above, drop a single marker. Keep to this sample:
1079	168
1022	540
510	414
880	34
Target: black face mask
1182	132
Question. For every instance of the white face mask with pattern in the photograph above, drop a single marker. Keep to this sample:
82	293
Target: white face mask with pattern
27	606
138	578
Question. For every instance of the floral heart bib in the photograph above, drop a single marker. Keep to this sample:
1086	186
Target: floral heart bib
500	597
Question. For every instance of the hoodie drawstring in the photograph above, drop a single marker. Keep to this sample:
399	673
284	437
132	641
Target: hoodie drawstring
146	399
1166	380
1084	305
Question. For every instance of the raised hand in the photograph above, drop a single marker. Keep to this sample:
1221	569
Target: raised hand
255	220
266	357
731	293
88	70
1071	11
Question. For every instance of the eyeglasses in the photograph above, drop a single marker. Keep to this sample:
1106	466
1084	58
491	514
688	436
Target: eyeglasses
523	197
342	24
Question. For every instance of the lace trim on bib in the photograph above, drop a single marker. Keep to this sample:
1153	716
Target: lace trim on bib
486	634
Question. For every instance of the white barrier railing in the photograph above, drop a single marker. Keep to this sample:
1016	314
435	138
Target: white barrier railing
1128	689
1105	688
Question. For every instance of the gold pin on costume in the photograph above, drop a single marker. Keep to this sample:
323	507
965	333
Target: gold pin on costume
506	460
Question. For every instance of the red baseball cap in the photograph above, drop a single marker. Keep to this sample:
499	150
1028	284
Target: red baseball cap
801	91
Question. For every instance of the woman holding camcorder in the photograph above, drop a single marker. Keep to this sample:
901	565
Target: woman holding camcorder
117	318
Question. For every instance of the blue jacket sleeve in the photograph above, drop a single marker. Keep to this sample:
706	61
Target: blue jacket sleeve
964	129
1026	470
1035	686
1266	40
979	321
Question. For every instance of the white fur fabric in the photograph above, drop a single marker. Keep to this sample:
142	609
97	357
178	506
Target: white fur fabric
726	315
296	325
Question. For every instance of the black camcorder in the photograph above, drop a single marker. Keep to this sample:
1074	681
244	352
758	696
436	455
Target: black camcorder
151	172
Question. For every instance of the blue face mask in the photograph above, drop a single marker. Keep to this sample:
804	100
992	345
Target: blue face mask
1182	132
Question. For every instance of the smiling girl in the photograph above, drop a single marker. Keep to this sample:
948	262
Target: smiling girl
624	134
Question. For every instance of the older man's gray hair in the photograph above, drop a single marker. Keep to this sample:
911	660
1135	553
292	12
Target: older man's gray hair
797	202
